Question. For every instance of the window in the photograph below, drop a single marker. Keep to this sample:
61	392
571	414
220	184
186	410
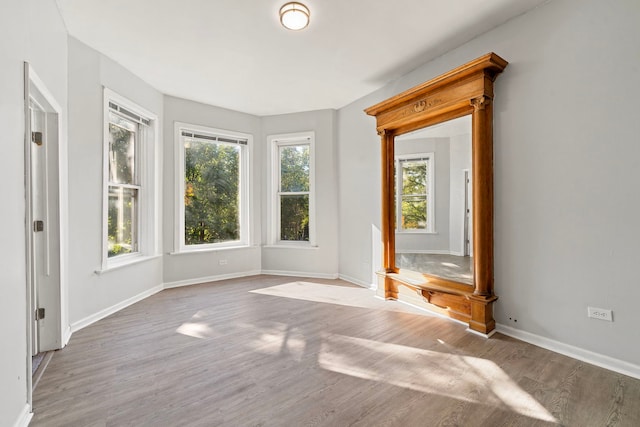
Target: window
130	164
213	169
414	192
293	198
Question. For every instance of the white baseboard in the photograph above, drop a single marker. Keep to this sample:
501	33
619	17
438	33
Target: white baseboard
66	336
300	274
200	280
358	282
587	356
24	418
83	323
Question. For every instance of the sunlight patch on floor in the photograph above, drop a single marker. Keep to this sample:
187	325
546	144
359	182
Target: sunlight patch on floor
456	376
334	294
279	339
197	327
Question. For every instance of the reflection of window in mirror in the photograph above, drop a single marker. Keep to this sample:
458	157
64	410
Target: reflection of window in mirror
414	192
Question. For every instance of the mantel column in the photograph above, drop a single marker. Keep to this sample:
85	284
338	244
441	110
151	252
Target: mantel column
482	172
387	224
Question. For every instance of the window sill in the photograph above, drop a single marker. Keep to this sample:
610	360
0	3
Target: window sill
207	250
126	263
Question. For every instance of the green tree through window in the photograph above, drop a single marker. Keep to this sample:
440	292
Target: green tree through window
124	186
212	193
294	192
412	193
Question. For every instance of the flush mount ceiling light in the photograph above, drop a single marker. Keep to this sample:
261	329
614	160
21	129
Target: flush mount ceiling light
294	16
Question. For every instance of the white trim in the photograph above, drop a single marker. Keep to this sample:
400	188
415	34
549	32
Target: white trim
29	245
83	323
245	187
66	336
274	142
216	278
482	334
216	249
137	259
578	353
300	274
370	286
24	418
33	81
149	167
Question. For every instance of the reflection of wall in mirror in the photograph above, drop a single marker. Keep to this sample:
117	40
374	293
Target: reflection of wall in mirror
452	156
460	161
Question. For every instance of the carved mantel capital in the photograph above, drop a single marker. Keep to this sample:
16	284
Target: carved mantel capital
382	132
480	102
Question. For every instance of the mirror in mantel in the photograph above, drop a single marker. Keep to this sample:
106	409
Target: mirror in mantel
433	200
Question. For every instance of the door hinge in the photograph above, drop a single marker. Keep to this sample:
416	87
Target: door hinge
38	225
36	137
39	315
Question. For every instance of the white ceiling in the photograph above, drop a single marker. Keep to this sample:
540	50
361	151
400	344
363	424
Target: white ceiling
235	54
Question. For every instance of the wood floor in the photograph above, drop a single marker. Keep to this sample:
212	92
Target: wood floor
282	351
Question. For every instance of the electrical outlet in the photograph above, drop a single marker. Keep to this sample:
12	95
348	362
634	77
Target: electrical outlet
223	262
600	313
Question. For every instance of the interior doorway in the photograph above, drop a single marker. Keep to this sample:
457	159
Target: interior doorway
44	254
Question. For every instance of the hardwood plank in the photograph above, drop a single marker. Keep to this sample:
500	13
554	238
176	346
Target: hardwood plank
282	351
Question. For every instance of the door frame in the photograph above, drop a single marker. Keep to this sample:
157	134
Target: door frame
34	88
467	234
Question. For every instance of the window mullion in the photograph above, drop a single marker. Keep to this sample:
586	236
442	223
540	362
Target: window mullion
132	186
293	193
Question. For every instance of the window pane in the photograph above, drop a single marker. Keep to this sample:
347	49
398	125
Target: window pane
122	221
211	196
414	177
414	212
122	150
294	168
294	217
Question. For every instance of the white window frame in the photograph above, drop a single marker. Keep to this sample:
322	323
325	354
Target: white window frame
275	142
148	223
429	158
245	186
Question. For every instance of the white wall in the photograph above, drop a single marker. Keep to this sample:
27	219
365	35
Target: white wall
32	31
460	161
90	293
566	153
186	268
323	260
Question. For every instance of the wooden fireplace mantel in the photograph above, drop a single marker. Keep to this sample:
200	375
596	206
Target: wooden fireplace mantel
465	90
